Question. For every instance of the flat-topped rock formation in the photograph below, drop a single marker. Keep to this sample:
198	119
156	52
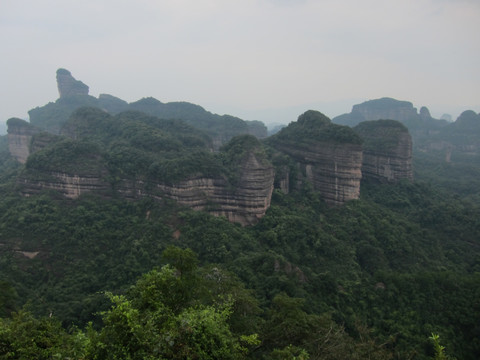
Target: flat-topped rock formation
387	151
386	108
329	155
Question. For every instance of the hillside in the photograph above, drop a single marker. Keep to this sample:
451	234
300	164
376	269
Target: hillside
294	246
74	94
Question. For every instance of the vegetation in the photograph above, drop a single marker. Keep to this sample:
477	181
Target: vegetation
380	135
382	277
314	126
377	276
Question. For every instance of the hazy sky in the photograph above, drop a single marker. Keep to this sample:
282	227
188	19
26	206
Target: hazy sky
257	59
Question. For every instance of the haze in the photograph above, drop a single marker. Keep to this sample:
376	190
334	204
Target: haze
257	59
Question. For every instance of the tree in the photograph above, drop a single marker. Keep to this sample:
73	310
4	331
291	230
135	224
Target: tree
161	318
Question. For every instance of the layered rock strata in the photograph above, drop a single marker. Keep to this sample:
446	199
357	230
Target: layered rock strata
387	151
334	170
69	185
329	156
245	203
20	135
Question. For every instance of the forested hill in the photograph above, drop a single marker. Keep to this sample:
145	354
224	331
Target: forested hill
74	94
391	274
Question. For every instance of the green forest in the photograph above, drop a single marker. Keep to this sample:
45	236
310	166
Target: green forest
392	275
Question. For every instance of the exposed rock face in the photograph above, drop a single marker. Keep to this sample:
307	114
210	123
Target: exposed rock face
386	108
387	151
329	156
20	135
333	169
245	204
68	86
69	185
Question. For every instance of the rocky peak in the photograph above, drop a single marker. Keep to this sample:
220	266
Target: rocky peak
68	85
468	119
425	113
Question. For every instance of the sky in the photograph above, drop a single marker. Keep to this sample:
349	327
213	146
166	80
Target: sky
267	60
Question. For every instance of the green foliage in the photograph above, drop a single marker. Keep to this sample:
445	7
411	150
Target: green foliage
380	136
313	126
52	116
221	128
70	156
371	279
235	154
439	349
26	337
8	298
161	319
185	166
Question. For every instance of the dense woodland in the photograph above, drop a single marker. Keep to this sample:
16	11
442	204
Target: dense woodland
392	275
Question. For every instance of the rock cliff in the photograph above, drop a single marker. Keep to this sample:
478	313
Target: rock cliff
334	170
387	151
68	86
20	135
137	156
329	155
244	204
69	185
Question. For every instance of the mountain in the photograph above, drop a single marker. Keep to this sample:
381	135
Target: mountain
419	124
121	236
442	149
137	155
74	94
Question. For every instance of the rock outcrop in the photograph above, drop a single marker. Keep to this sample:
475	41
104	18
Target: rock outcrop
387	151
420	125
386	108
20	134
74	95
69	185
245	203
329	156
334	170
68	86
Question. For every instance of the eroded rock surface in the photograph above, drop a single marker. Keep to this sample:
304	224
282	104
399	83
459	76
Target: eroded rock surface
68	85
20	135
387	151
329	155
